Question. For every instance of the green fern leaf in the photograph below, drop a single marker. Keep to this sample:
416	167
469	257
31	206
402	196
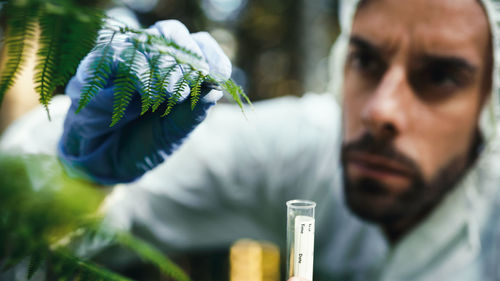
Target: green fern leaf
68	265
80	33
49	47
179	87
236	92
100	72
125	82
20	33
85	276
148	83
160	86
20	248
36	260
245	97
150	254
196	89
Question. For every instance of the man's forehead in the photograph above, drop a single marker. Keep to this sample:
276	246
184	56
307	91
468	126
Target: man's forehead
448	27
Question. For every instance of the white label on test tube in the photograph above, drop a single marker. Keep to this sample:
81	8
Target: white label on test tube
304	247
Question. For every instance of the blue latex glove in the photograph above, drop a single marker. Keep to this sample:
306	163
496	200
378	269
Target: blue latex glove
91	149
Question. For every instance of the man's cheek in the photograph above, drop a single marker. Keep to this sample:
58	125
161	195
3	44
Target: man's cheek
352	123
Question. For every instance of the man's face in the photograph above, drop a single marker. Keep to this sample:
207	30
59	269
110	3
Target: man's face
416	77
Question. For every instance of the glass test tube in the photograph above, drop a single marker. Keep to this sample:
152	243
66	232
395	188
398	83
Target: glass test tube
300	238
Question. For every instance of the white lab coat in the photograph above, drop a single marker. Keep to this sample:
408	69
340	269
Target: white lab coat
232	177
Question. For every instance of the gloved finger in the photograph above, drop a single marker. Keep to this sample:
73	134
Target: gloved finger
177	32
212	96
218	62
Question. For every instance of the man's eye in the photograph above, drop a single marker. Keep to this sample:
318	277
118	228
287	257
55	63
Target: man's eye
438	82
366	63
442	78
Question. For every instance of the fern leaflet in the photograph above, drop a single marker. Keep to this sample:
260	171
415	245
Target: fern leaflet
148	81
46	67
100	72
160	86
67	265
21	30
78	40
179	87
196	89
150	254
125	82
36	261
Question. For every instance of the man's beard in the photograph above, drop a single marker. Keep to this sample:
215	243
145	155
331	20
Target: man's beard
417	200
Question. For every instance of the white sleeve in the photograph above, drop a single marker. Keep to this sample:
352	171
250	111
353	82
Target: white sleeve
33	132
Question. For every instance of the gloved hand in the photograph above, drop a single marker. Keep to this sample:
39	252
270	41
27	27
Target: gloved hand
89	148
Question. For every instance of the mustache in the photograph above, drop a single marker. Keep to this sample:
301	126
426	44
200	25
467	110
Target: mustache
378	147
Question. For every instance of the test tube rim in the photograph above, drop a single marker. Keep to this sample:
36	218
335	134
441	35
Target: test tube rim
307	204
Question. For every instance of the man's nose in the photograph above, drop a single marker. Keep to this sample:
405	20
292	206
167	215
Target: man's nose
384	115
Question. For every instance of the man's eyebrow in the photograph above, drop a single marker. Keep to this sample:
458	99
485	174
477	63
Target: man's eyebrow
362	43
450	61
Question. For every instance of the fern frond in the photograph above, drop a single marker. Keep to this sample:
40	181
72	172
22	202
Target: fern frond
148	83
100	72
36	260
150	254
196	89
125	82
20	33
80	33
69	265
179	87
160	86
234	90
51	27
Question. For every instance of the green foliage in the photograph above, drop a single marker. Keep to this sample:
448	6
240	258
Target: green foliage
18	42
179	87
196	89
150	86
125	81
236	92
161	84
67	33
151	255
40	209
46	67
100	72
